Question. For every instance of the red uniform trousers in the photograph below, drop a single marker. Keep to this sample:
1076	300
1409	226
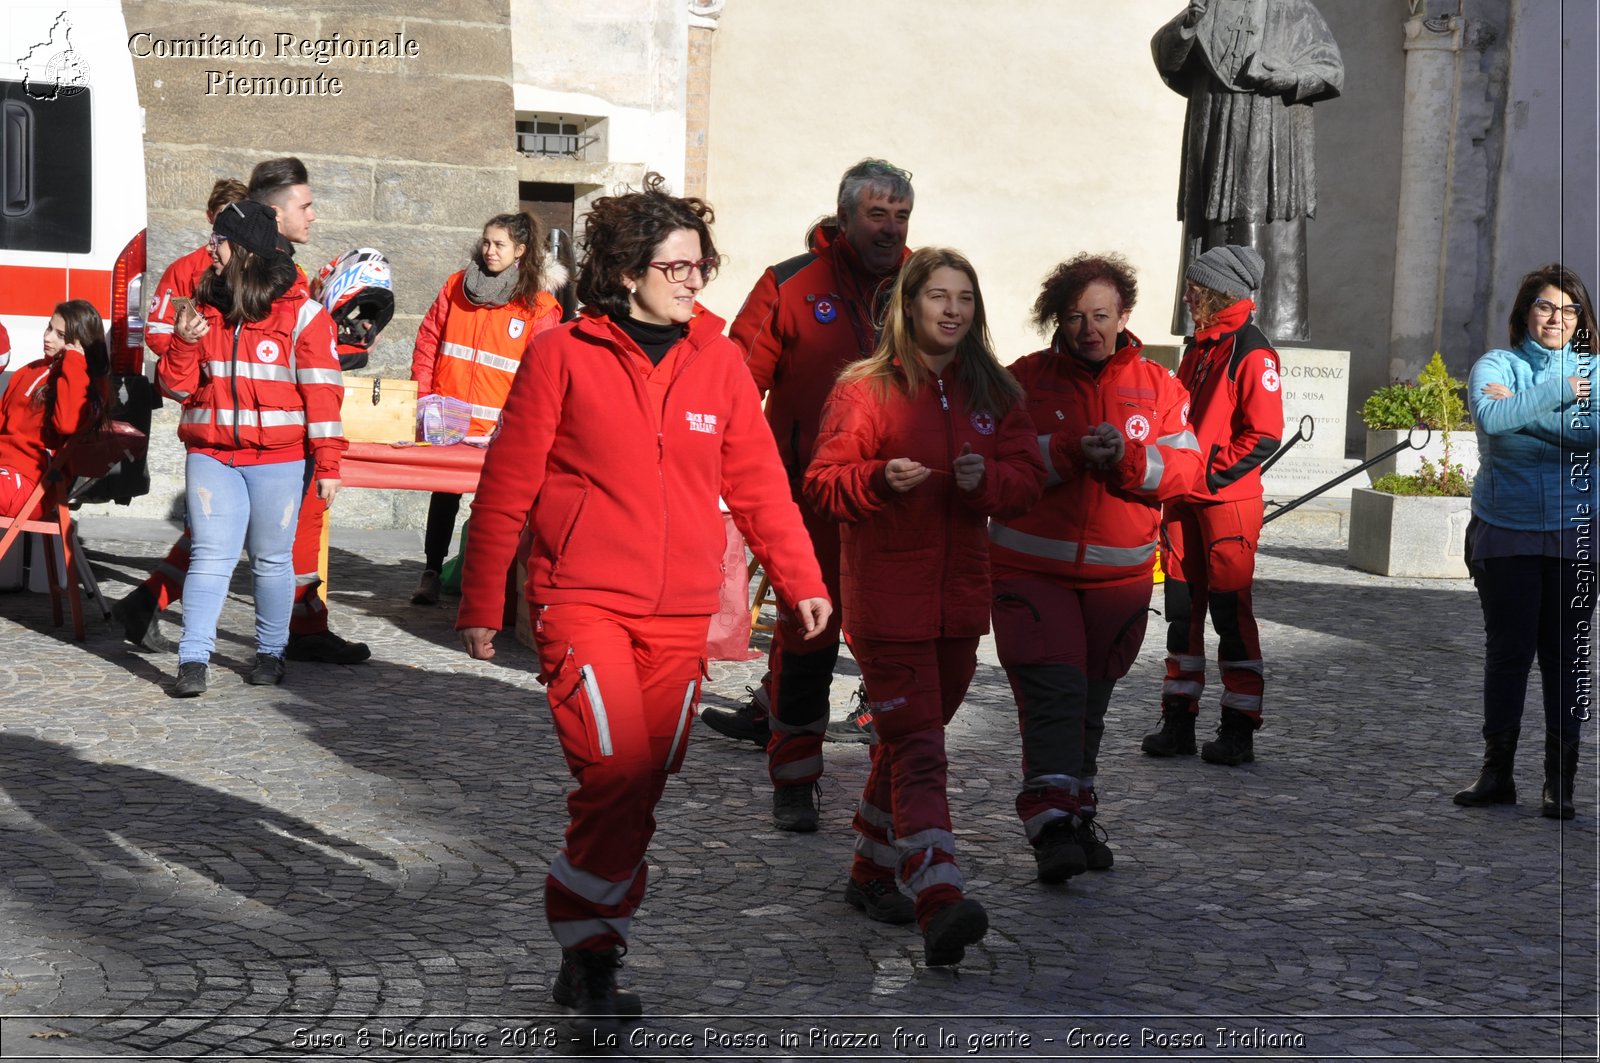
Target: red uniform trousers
622	691
903	821
1063	649
309	614
1211	548
800	672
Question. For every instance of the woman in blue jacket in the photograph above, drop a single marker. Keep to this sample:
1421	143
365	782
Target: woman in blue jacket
1530	544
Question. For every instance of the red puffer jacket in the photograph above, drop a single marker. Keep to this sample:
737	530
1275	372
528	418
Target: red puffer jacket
1236	404
807	318
915	565
1098	527
262	391
181	278
621	471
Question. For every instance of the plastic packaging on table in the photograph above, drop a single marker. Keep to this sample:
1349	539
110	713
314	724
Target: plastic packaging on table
442	420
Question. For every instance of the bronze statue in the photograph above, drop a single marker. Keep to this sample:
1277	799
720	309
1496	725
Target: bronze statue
1251	69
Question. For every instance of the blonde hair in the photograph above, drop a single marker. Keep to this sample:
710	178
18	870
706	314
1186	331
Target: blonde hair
896	363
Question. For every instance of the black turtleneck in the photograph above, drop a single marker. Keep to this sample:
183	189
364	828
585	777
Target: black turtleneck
654	340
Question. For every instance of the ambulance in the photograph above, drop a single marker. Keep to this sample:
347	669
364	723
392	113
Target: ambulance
72	192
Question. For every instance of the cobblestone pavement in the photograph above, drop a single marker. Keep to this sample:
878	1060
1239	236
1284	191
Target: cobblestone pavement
352	864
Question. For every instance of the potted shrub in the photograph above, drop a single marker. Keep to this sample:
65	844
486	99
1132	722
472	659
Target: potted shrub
1434	401
1413	520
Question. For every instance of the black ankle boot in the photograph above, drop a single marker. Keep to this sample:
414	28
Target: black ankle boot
1494	785
1560	772
138	615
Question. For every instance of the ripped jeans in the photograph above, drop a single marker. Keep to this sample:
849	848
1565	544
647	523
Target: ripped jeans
253	507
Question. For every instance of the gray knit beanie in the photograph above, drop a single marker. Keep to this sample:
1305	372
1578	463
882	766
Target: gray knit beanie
1229	269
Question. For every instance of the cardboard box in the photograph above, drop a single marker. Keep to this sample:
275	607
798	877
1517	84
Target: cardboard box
379	410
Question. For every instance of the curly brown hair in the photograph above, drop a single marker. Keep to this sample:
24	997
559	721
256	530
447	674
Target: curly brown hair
1067	281
621	236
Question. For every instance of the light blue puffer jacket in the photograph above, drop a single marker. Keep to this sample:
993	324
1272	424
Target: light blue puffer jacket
1536	450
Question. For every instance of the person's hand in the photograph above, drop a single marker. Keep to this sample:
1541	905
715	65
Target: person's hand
326	489
1269	76
1191	17
1580	387
1497	391
190	325
968	468
479	641
812	613
1103	445
903	474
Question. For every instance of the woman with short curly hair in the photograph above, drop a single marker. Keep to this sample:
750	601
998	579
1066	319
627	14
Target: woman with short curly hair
1072	576
620	432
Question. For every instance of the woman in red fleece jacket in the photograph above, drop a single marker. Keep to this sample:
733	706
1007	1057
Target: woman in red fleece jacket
52	399
919	445
621	430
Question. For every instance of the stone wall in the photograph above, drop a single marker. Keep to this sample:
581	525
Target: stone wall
409	153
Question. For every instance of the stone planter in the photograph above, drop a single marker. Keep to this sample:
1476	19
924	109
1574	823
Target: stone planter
1463	452
1398	535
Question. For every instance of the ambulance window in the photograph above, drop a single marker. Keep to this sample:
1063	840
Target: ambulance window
46	181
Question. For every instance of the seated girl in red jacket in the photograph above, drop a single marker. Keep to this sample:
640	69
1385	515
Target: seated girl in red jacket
52	399
919	445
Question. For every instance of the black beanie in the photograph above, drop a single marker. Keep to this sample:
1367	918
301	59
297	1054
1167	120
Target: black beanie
253	226
1229	269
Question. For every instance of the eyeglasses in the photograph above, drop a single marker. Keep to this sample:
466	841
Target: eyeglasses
1545	308
678	272
216	238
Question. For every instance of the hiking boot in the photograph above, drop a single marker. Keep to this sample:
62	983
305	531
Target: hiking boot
1176	737
191	680
1235	740
879	899
595	1028
794	808
1494	785
325	647
567	986
747	723
856	727
1097	854
140	620
428	588
268	671
951	930
1058	853
1560	773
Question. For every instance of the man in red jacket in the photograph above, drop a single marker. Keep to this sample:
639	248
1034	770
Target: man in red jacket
807	318
283	185
1208	538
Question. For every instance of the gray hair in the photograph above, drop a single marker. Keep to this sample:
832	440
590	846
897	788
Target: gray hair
875	175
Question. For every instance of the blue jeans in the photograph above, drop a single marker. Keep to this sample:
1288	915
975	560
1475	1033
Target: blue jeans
253	507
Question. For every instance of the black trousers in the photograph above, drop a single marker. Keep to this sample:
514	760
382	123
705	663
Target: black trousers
1537	607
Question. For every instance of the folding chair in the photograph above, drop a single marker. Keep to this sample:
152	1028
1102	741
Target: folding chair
92	456
764	597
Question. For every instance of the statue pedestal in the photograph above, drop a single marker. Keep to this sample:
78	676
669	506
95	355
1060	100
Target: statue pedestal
1316	383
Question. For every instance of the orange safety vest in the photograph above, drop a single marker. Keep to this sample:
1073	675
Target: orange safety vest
480	348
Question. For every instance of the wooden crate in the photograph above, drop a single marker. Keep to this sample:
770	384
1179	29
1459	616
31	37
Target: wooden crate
379	410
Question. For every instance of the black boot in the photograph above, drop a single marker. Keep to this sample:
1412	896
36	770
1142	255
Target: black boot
1176	737
567	990
747	723
1494	785
1235	742
139	617
1560	772
595	1029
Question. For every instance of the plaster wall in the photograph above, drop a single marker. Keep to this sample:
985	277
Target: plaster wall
1548	203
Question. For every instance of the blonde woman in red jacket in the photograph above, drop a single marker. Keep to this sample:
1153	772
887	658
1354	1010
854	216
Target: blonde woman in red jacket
621	431
256	369
919	446
52	399
469	346
1072	575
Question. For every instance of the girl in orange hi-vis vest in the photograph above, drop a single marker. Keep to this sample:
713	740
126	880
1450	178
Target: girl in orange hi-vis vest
470	345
